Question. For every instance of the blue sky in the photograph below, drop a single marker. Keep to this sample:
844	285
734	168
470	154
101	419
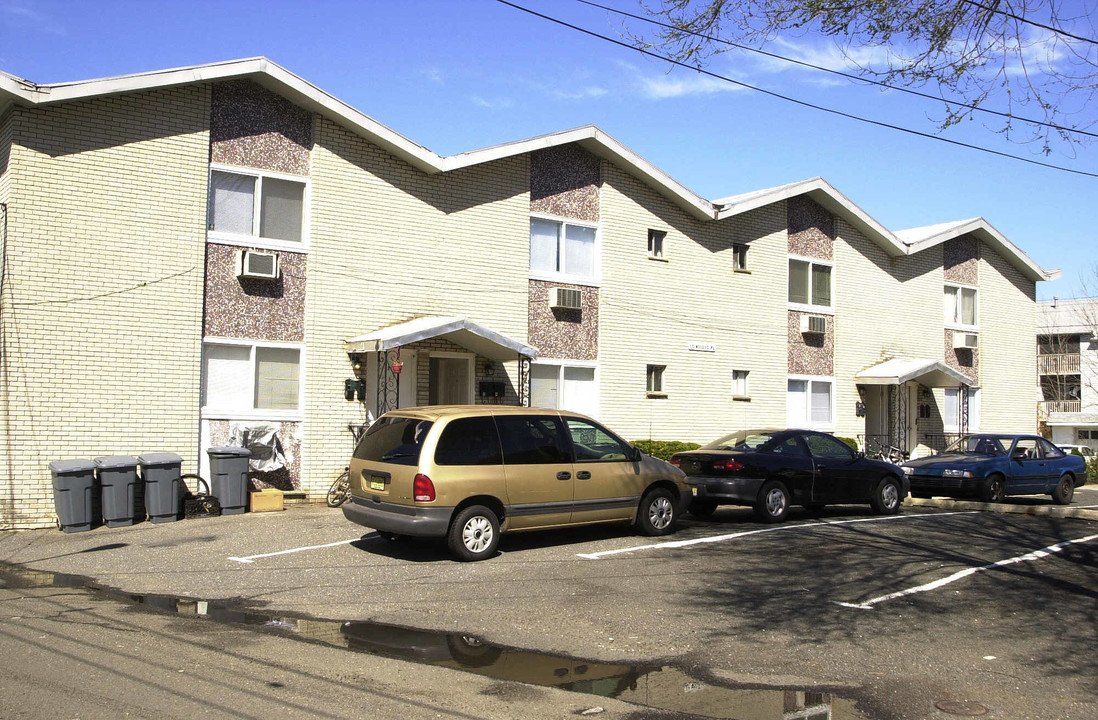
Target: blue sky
463	74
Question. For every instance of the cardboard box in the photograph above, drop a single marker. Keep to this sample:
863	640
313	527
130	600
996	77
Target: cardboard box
268	500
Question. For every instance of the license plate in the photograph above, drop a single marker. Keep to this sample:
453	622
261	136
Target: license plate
377	483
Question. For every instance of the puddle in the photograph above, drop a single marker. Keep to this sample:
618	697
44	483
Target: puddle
652	686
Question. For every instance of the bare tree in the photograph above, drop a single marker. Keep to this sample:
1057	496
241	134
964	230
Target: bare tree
1035	61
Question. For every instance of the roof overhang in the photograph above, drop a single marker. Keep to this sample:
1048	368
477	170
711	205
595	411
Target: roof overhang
458	330
1062	419
922	238
897	371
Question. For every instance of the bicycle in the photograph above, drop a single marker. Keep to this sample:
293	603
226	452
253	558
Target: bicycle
890	454
340	490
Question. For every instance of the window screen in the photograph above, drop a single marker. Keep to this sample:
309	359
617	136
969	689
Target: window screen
798	282
282	208
277	378
232	205
228	381
579	250
544	253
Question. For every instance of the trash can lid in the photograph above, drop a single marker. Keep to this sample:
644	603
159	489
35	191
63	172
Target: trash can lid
165	458
62	467
116	461
230	450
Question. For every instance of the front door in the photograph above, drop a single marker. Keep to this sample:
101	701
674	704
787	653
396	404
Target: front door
451	379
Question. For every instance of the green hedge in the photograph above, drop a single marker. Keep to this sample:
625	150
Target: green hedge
849	441
664	449
1092	472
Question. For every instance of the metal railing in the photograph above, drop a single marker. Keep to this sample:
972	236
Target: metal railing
1065	406
1065	364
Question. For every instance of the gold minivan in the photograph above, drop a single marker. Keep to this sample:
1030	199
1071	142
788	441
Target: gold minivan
468	473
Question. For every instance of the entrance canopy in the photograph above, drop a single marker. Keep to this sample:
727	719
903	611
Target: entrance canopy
931	373
458	330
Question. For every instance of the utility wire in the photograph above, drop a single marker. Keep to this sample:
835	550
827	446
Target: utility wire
105	294
793	100
1034	23
840	73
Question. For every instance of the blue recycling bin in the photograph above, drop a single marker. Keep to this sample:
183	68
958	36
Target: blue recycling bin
74	494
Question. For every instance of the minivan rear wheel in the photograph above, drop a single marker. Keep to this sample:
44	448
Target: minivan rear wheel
474	534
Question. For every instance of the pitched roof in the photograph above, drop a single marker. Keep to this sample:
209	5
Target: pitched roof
17	91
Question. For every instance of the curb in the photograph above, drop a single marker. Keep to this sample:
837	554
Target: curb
1057	511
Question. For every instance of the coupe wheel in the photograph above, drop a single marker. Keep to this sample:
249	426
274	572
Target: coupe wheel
474	533
772	503
992	490
657	514
887	497
1065	490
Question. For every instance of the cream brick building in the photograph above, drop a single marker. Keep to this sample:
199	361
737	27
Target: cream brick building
193	254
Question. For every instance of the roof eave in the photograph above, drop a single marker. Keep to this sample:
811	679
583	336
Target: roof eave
986	232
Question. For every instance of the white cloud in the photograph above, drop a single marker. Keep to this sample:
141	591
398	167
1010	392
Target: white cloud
662	87
494	104
591	91
27	17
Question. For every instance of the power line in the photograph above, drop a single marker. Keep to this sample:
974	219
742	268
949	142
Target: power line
1034	23
793	100
840	73
105	294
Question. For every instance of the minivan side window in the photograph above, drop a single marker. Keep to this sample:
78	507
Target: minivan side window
533	439
593	444
396	440
469	441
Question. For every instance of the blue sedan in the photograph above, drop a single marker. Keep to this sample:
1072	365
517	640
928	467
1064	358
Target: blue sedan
991	467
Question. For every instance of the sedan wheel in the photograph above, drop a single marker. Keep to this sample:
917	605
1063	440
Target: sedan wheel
886	497
773	502
1064	491
992	491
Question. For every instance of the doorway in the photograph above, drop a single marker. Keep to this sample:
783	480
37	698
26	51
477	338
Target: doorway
451	379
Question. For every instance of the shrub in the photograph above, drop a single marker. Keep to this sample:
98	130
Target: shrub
849	441
664	449
1092	472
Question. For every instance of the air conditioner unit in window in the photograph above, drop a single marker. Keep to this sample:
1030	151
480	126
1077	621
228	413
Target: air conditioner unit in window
251	264
966	341
814	324
565	298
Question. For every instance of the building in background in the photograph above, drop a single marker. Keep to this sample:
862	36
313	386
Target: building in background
1067	370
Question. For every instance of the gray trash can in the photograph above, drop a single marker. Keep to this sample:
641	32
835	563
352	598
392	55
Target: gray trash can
163	488
74	493
229	478
118	480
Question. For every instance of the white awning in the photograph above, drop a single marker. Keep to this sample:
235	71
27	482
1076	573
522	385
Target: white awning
458	330
931	373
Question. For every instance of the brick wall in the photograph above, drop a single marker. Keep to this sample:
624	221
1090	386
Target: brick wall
101	335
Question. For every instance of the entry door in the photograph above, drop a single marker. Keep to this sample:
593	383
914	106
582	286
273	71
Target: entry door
451	380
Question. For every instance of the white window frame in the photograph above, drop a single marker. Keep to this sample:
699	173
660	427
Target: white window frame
214	412
560	365
829	425
225	238
956	324
951	424
565	277
809	306
746	394
662	391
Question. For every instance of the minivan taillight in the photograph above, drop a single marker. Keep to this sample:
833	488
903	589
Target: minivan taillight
423	490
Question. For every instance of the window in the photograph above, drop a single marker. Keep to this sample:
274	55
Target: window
242	378
825	446
533	440
655	379
561	250
591	443
808	403
960	306
257	206
951	410
565	387
394	440
739	256
469	441
739	384
655	243
809	283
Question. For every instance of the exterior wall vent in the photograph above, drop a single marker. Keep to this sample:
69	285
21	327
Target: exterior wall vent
814	324
250	264
966	341
565	298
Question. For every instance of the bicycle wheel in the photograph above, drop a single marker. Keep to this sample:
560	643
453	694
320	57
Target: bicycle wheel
340	490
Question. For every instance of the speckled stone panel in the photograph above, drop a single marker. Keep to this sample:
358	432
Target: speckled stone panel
811	354
564	181
286	478
251	126
271	310
966	362
961	260
811	229
564	334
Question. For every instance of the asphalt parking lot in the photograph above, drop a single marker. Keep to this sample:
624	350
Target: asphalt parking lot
899	612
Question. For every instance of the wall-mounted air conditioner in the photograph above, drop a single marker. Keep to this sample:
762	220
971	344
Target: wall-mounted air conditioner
814	324
565	298
966	341
251	264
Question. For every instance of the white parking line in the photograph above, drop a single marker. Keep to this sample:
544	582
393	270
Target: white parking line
250	558
776	528
1035	555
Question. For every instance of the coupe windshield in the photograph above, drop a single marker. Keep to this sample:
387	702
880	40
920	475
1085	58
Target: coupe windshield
742	440
981	445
